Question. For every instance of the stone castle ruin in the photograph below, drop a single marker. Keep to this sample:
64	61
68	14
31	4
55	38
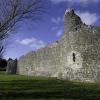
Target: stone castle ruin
11	66
75	57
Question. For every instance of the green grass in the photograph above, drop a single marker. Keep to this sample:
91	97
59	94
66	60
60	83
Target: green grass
17	87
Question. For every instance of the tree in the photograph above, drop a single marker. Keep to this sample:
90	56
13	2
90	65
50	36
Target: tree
3	46
3	64
14	11
1	51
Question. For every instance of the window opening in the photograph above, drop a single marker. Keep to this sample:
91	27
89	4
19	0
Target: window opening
74	57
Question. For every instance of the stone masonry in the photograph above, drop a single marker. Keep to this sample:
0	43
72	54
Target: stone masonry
76	56
11	66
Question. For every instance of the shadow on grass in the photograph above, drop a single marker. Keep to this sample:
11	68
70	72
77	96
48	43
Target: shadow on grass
48	89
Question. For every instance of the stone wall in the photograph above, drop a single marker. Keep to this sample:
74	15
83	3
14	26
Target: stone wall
11	66
75	57
44	62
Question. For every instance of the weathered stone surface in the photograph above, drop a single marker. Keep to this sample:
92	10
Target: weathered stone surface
75	57
11	66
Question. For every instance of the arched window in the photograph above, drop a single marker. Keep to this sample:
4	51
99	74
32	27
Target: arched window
74	57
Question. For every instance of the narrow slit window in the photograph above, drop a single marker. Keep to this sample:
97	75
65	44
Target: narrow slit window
74	57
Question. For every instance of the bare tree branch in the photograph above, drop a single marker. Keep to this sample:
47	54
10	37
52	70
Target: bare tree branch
14	11
1	51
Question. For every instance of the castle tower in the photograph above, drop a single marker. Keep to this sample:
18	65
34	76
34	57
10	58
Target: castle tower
71	20
72	25
83	56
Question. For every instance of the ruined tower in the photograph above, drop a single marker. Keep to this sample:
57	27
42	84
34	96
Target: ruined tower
71	20
83	56
75	57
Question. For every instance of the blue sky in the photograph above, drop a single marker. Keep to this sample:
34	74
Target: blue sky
32	36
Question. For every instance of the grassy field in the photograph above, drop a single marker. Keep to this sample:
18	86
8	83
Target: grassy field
16	87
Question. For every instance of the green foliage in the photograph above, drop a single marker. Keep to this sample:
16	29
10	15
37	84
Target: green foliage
16	87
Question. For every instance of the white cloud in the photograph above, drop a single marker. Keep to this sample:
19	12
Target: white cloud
26	41
57	20
88	18
57	25
74	1
38	44
32	42
60	32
